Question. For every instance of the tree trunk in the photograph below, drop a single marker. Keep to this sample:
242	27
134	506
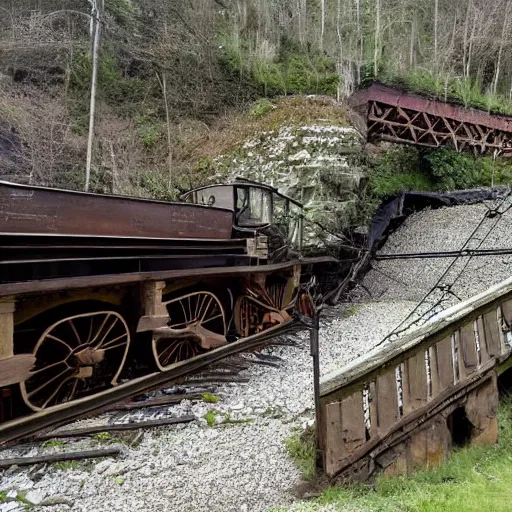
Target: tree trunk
322	28
340	43
96	27
436	15
377	39
411	47
465	43
163	84
500	51
360	41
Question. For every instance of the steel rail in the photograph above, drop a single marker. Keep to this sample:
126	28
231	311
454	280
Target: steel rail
28	426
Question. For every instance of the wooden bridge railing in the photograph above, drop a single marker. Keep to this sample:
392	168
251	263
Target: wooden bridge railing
394	408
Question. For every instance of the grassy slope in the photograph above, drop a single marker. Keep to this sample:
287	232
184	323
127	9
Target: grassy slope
475	479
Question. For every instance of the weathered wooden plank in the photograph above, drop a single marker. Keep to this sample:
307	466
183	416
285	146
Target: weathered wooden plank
57	457
115	427
441	365
374	421
16	369
482	340
415	382
506	307
352	420
467	346
336	451
387	401
6	329
492	333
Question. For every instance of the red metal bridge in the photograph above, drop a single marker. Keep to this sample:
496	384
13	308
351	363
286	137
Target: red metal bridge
398	116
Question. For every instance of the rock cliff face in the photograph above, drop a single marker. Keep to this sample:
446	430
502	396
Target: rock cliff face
320	165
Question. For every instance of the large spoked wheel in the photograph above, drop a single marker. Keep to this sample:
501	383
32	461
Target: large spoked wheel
197	323
75	357
261	309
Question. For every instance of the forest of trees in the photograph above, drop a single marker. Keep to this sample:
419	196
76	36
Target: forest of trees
161	72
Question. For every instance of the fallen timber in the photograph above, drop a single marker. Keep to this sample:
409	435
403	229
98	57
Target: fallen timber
60	457
398	116
115	427
105	297
404	404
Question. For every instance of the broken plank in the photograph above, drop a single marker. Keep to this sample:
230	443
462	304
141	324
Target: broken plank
96	429
59	457
156	402
16	369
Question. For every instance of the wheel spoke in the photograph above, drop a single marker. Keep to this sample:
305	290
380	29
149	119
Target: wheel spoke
52	396
124	335
75	332
90	331
98	332
48	367
220	315
114	346
206	309
54	338
33	392
108	331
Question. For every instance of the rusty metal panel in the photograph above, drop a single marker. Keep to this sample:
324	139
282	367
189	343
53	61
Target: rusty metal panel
26	209
387	401
468	352
415	382
407	100
398	116
442	366
492	333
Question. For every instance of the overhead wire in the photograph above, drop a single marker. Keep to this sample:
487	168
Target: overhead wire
446	289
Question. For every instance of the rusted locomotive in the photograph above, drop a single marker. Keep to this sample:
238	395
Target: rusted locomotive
99	290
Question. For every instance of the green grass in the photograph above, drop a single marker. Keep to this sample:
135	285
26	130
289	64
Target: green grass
53	443
66	465
210	417
474	479
102	436
348	312
210	399
301	447
467	91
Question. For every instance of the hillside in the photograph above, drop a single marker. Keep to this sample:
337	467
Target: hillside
171	76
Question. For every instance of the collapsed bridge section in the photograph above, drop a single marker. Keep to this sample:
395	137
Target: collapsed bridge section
401	117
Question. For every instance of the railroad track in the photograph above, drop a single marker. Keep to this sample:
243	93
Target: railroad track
38	422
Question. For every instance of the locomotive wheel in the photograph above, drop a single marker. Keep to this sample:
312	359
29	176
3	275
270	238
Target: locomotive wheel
259	311
197	323
76	356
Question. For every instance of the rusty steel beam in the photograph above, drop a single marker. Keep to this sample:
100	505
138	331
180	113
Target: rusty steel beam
405	118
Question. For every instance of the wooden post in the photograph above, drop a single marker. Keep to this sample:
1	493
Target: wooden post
314	351
6	329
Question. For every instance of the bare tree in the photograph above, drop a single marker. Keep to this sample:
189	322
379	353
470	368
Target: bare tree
95	36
